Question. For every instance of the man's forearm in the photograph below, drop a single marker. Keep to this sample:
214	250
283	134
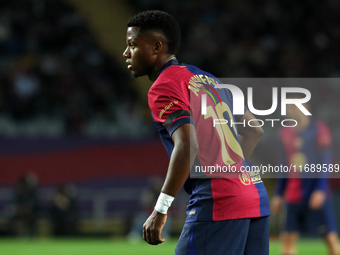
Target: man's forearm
179	168
182	159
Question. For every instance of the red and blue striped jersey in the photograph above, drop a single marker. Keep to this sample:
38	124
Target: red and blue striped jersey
311	146
175	100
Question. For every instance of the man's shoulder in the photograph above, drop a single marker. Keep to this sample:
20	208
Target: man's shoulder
174	73
177	78
171	79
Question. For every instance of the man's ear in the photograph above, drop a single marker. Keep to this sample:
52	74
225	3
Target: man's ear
158	47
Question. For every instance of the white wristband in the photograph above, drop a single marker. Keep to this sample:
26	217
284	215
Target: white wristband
163	203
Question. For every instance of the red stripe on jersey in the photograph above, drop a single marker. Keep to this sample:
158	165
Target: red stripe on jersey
237	205
176	120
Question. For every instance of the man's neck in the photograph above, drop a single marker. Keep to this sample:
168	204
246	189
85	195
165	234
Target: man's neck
158	68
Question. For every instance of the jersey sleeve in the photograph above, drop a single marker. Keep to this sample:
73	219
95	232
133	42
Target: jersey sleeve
169	106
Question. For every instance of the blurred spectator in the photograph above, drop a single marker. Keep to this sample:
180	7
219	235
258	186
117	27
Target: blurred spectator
57	80
261	38
25	207
54	76
306	193
63	212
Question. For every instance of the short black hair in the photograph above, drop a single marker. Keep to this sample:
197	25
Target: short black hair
161	22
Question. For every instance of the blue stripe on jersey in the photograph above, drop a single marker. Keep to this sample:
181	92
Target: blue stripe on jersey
264	200
261	189
165	137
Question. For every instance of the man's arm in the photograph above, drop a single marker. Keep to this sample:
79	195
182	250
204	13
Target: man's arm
182	158
249	136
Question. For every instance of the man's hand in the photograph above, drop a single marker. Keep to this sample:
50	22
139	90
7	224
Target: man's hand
153	227
181	161
277	204
317	200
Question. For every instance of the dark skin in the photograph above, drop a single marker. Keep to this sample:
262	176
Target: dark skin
145	54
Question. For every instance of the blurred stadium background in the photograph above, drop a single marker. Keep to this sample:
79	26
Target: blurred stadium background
77	143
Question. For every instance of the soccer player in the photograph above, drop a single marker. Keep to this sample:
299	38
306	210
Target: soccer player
307	202
224	215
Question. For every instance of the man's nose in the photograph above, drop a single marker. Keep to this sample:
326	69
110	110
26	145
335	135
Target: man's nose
126	53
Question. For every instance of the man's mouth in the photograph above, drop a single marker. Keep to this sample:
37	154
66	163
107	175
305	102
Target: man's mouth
129	65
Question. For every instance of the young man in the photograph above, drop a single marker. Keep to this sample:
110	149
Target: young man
307	201
224	215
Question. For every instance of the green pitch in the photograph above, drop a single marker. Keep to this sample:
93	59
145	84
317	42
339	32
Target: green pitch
118	247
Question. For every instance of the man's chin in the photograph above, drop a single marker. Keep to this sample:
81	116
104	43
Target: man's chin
136	75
